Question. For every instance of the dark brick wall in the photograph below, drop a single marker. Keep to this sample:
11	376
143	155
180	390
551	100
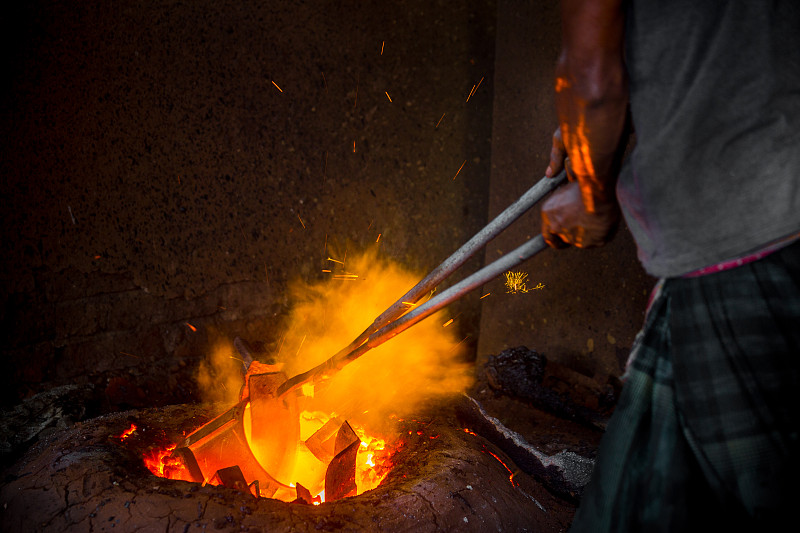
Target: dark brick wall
135	348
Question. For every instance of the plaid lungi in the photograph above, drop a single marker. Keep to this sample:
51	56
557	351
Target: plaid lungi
705	434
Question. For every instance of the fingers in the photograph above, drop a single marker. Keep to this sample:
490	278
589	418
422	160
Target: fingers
555	235
558	154
553	240
564	237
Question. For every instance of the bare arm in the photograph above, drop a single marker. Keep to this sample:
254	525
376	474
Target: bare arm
591	99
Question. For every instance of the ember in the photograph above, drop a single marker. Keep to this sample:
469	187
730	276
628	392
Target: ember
128	432
371	461
162	463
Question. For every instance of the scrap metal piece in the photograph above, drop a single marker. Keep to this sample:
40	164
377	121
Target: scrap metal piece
303	494
323	442
245	351
222	443
186	457
231	477
340	477
345	437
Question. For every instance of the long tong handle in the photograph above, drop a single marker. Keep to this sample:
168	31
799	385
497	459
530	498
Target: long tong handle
379	332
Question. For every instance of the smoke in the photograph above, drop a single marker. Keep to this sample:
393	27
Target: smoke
219	376
394	378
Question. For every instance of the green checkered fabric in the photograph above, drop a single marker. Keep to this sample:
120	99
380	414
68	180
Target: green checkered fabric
705	435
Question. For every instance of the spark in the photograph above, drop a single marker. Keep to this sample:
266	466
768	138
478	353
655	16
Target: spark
349	277
382	45
130	355
474	89
325	248
448	323
326	270
280	346
459	168
276	86
387	96
454	348
301	220
379	237
470	93
440	121
191	327
335	260
354	146
515	283
484	296
301	345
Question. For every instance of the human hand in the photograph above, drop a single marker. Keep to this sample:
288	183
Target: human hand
566	222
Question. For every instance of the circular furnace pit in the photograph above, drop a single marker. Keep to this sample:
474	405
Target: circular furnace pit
444	479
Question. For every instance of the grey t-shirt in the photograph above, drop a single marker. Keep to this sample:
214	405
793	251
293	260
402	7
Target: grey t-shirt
715	100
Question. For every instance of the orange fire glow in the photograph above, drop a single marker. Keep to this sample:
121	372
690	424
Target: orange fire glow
392	379
373	461
160	463
127	433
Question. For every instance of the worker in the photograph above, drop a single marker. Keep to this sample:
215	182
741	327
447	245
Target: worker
705	432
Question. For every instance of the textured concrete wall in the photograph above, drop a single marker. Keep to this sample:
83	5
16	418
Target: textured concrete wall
174	163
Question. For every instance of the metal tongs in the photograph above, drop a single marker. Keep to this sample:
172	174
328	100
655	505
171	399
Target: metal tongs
266	456
403	314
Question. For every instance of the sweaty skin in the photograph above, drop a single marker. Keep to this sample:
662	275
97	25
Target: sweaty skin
591	100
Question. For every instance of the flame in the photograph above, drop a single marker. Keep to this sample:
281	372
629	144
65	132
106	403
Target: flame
371	393
393	378
160	463
219	376
373	460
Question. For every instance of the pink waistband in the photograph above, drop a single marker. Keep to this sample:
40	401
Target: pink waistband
733	263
